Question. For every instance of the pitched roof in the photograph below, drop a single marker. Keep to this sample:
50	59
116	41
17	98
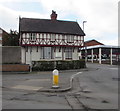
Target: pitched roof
102	46
94	41
3	30
50	26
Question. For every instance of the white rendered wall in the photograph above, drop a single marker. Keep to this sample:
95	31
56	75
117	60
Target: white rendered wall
35	55
28	54
23	55
75	54
57	54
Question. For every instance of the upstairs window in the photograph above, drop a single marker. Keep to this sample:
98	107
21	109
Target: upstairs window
23	35
70	38
52	37
32	36
40	36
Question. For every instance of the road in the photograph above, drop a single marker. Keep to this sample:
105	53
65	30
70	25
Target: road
94	88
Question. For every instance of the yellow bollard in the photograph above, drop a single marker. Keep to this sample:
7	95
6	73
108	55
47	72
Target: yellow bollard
55	78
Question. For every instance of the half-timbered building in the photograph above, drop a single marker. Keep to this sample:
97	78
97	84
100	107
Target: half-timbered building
50	39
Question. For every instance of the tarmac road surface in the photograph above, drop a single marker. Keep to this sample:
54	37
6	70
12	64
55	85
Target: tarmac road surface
95	88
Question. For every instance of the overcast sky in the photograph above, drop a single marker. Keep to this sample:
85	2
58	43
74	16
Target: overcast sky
101	15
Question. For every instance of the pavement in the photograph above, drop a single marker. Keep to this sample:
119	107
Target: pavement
46	84
64	85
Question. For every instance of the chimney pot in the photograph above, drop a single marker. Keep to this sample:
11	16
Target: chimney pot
53	15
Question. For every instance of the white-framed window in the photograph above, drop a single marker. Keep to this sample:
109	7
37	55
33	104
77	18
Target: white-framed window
70	38
52	37
68	53
46	52
40	36
32	36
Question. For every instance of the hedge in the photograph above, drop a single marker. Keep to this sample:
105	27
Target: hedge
58	64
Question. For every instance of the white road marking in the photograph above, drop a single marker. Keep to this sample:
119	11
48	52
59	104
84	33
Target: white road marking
114	68
72	77
76	74
38	80
27	87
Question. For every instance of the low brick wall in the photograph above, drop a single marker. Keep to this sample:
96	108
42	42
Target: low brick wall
15	67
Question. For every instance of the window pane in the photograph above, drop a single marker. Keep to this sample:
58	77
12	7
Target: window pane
32	36
52	37
47	52
68	53
70	38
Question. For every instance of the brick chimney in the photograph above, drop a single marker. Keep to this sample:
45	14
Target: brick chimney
53	15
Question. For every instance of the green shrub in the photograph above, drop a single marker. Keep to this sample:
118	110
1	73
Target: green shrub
58	64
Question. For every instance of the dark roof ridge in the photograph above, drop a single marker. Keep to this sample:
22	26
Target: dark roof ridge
48	19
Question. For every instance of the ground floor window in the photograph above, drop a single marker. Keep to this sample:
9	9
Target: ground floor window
68	53
46	53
